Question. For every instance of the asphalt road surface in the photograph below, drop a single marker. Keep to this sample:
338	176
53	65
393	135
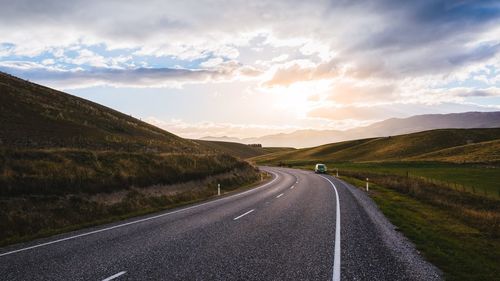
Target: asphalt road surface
287	229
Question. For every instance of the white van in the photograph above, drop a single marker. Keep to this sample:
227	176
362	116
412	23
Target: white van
320	168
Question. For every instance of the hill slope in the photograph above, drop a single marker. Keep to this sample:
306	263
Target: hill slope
35	116
469	153
427	145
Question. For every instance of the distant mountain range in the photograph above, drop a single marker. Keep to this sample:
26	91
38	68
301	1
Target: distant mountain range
389	127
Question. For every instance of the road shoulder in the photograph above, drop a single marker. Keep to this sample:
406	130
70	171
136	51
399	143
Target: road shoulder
416	267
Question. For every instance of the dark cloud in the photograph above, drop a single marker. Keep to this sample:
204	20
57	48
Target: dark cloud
480	53
411	24
138	77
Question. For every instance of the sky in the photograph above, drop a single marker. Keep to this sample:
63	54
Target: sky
252	68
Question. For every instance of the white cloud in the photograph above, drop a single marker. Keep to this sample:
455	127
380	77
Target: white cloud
343	53
280	58
48	61
212	62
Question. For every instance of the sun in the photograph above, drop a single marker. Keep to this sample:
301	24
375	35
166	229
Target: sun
298	98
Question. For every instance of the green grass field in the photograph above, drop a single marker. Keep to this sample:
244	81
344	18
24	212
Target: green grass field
472	177
480	179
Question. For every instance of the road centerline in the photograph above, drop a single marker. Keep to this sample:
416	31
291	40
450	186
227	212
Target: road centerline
336	259
115	276
279	195
244	214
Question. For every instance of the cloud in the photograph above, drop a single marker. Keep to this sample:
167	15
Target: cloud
212	62
334	55
302	70
355	92
136	77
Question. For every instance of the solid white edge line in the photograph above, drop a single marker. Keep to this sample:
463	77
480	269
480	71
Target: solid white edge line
279	195
140	220
242	215
115	276
336	259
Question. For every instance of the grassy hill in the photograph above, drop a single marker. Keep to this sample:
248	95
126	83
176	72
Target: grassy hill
60	155
239	150
269	150
450	145
469	153
235	149
34	116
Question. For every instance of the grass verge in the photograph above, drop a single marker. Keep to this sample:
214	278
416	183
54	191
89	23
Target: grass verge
29	217
461	249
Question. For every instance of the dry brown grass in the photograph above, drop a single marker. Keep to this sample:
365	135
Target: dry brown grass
26	217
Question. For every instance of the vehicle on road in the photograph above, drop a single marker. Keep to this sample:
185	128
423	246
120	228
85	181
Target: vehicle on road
320	168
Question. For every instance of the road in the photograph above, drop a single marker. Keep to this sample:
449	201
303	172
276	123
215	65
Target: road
287	229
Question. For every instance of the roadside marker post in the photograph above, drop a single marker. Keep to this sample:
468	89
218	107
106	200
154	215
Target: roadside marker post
218	189
337	169
367	185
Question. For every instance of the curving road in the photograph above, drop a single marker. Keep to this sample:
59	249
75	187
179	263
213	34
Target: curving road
286	229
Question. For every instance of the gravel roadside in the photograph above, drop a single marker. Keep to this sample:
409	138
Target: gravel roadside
416	267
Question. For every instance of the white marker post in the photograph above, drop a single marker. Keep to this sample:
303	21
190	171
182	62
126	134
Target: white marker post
218	189
337	172
367	188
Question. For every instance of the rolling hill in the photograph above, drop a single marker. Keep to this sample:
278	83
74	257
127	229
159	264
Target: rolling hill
453	145
389	127
469	153
34	116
